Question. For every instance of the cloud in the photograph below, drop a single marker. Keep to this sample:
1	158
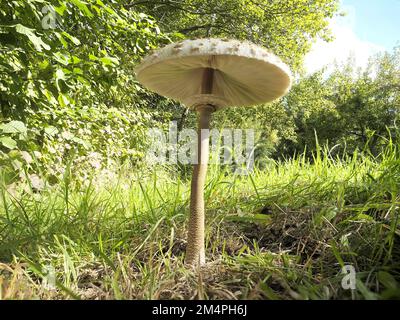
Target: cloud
345	44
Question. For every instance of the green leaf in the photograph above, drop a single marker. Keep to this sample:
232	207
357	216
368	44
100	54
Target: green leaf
108	9
387	280
93	57
72	38
8	142
269	293
63	100
249	218
13	127
62	40
61	9
336	253
83	80
77	71
82	7
75	59
109	61
60	75
367	294
51	130
362	216
30	33
62	58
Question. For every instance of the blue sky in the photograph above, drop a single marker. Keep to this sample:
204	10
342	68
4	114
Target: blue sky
376	21
370	27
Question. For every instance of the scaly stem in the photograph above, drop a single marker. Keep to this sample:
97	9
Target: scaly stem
195	253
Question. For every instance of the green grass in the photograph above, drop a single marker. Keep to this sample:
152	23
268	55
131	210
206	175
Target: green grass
281	233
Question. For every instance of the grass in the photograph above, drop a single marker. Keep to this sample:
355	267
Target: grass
281	233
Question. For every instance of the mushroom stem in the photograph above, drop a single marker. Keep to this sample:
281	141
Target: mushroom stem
195	252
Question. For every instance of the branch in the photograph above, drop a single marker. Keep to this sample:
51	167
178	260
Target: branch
178	6
194	28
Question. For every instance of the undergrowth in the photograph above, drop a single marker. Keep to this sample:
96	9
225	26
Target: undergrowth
284	232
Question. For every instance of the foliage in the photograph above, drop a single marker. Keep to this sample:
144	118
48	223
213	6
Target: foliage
284	232
348	109
71	112
286	27
69	81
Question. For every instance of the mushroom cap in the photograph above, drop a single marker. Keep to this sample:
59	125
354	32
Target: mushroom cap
244	74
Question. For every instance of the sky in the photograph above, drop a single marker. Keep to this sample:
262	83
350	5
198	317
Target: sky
369	27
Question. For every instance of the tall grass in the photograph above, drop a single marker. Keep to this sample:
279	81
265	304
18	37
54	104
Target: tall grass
283	232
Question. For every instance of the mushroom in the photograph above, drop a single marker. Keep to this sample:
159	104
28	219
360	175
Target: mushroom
207	75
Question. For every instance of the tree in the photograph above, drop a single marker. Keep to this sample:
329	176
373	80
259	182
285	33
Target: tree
368	101
351	108
287	27
66	74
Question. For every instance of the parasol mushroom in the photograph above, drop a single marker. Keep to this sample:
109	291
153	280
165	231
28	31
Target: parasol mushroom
207	75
